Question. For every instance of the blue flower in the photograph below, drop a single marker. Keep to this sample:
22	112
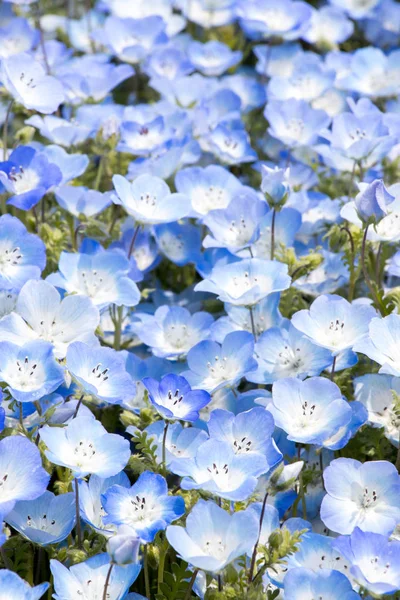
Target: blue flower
376	394
208	188
380	343
62	132
30	370
90	503
248	432
275	183
22	476
102	275
374	560
212	58
174	399
294	122
334	323
15	587
231	145
123	547
246	282
149	200
180	442
100	372
23	255
213	366
309	411
26	80
88	578
284	352
212	537
17	36
303	583
361	495
78	200
85	447
27	175
48	519
41	314
328	25
263	19
179	242
146	506
218	469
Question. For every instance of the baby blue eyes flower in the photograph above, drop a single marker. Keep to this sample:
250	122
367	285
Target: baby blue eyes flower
149	200
100	372
41	314
87	579
380	343
361	495
373	200
275	184
213	366
303	583
173	398
374	560
246	282
30	371
78	200
22	254
48	519
22	476
294	122
15	587
123	547
212	537
146	507
212	58
309	411
85	447
26	80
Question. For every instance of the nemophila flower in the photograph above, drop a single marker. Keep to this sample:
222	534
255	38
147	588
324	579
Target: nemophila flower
328	25
355	9
146	506
149	200
60	131
170	63
172	331
213	366
173	398
376	393
328	277
218	469
294	122
246	282
373	200
248	432
70	165
212	58
78	200
374	560
340	438
302	583
208	188
309	411
380	343
123	546
282	352
307	82
27	82
85	447
22	476
102	275
333	323
22	254
90	502
17	36
361	495
41	314
212	537
27	175
12	586
372	73
48	519
275	183
230	145
265	315
180	441
140	138
263	19
132	39
87	579
287	223
100	372
30	370
236	226
179	242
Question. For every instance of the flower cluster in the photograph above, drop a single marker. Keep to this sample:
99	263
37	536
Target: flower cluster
200	299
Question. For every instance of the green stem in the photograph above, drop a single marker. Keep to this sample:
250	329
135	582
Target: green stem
379	304
254	555
333	368
118	328
107	581
164	466
78	538
5	129
146	571
352	279
253	326
191	584
99	174
398	456
133	241
273	233
161	566
78	407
